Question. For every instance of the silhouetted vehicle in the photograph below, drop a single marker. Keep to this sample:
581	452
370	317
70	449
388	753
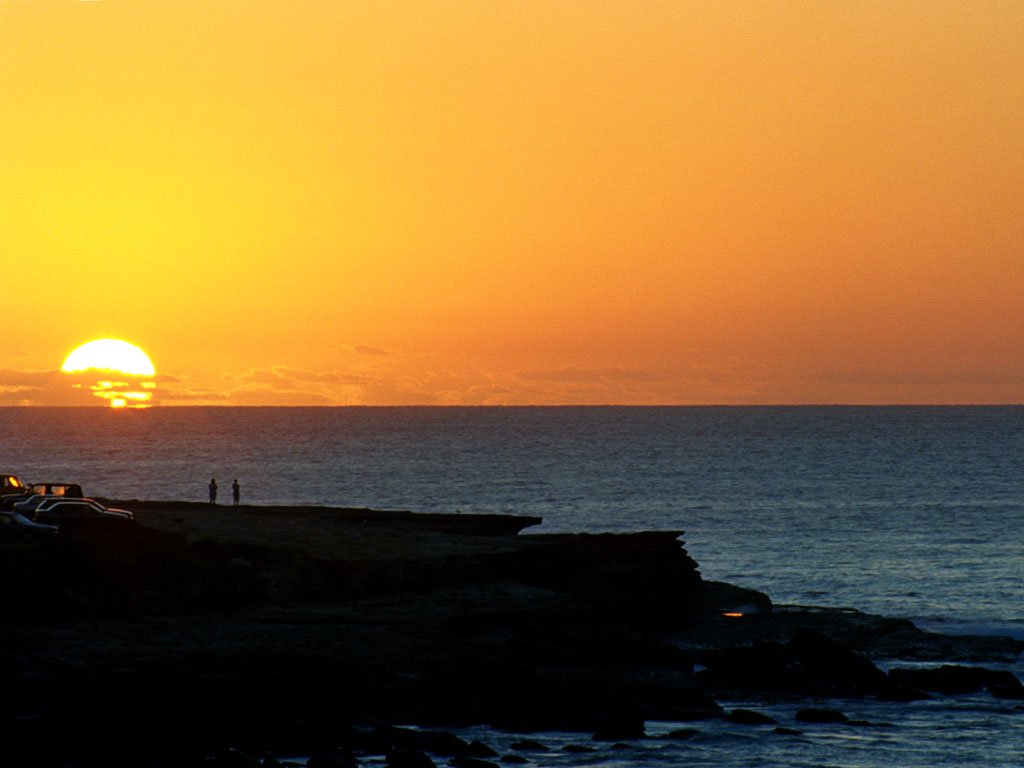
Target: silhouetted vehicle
13	524
10	484
28	504
10	500
71	490
56	511
11	490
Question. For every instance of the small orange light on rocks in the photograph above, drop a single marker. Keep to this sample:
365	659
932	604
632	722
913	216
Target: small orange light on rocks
732	614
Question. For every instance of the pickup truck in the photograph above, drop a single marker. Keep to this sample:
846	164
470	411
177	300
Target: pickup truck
71	490
14	491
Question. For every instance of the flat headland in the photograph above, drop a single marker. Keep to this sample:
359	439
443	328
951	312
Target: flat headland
207	633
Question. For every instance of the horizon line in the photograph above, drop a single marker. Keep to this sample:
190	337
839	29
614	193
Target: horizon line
100	407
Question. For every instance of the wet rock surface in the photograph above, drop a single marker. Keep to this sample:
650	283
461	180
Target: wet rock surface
817	715
206	634
954	679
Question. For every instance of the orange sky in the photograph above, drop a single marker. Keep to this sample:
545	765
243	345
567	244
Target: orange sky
530	202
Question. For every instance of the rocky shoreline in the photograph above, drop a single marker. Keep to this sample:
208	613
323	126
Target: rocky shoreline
208	635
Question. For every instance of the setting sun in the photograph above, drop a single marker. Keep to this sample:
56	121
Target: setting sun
113	356
109	355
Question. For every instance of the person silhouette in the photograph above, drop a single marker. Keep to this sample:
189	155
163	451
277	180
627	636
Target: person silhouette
236	491
213	490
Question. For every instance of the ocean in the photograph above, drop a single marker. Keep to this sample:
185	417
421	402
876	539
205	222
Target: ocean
915	512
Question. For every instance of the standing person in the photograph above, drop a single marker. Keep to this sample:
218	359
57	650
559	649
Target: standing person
236	491
213	490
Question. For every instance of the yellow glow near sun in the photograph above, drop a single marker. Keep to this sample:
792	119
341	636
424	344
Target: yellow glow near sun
113	356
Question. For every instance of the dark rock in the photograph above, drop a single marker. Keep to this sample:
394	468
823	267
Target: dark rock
619	746
810	664
409	758
620	729
812	715
898	692
1014	692
631	575
436	742
577	749
529	745
471	762
750	717
672	699
718	597
372	741
517	759
681	734
825	659
332	760
445	744
479	749
695	715
394	736
383	739
955	679
235	758
544	632
783	731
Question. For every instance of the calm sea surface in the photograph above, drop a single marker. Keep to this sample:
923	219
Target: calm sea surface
915	512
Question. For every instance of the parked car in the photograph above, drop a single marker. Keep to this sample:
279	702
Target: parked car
13	524
8	501
57	510
28	504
